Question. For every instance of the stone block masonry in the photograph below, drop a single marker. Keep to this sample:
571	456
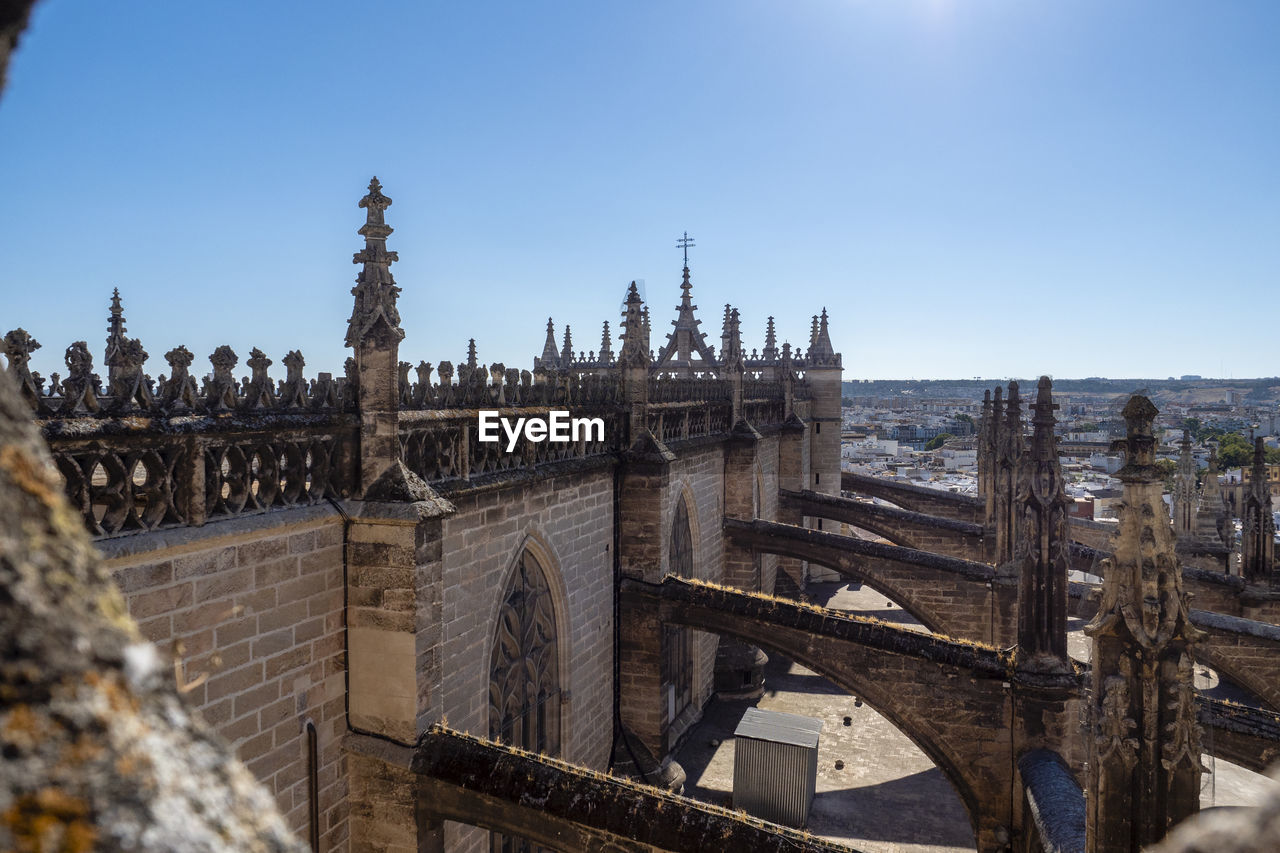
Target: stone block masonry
251	610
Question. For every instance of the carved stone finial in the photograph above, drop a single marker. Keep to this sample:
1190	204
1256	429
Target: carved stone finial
221	390
260	392
374	318
179	392
18	346
471	354
635	338
81	387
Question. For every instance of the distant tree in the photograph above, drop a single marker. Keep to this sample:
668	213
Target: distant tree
963	418
1234	450
1168	470
1087	426
938	440
1193	425
1272	455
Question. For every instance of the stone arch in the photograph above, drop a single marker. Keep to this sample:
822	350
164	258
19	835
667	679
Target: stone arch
894	687
536	548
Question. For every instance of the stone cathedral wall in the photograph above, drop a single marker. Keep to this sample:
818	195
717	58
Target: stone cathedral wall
253	609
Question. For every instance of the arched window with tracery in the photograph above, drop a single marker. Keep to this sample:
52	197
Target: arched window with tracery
677	642
524	674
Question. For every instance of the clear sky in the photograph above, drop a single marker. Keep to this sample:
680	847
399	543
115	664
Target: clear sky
971	187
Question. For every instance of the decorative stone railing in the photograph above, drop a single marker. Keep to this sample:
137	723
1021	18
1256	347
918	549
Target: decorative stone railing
444	445
135	474
139	454
500	386
677	421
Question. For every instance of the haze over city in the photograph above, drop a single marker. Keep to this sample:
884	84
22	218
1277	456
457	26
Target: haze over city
980	188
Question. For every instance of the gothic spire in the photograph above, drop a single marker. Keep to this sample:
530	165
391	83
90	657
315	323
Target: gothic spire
1009	453
1184	490
1258	528
566	351
820	349
635	332
770	352
685	339
374	318
732	357
550	354
115	326
1211	510
606	345
1041	549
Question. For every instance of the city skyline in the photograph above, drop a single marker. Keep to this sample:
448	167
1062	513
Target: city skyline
932	173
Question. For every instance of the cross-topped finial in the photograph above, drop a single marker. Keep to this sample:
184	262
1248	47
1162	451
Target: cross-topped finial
686	243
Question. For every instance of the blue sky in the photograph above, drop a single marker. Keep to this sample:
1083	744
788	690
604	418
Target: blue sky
986	187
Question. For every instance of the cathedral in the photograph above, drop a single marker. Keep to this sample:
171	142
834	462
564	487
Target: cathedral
246	611
417	637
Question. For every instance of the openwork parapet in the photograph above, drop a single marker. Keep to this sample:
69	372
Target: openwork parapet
135	475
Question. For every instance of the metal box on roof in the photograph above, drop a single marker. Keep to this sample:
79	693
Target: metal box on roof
775	765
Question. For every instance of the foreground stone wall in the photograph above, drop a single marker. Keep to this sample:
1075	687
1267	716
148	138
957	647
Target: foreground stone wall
252	608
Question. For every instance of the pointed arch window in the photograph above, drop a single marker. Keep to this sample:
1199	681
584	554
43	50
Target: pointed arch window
524	671
677	643
524	675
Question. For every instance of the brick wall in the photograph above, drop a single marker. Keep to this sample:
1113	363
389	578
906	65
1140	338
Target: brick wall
253	610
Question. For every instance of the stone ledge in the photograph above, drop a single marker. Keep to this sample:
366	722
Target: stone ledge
176	541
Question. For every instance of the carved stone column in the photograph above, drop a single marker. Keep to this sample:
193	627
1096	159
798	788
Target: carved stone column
1144	742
